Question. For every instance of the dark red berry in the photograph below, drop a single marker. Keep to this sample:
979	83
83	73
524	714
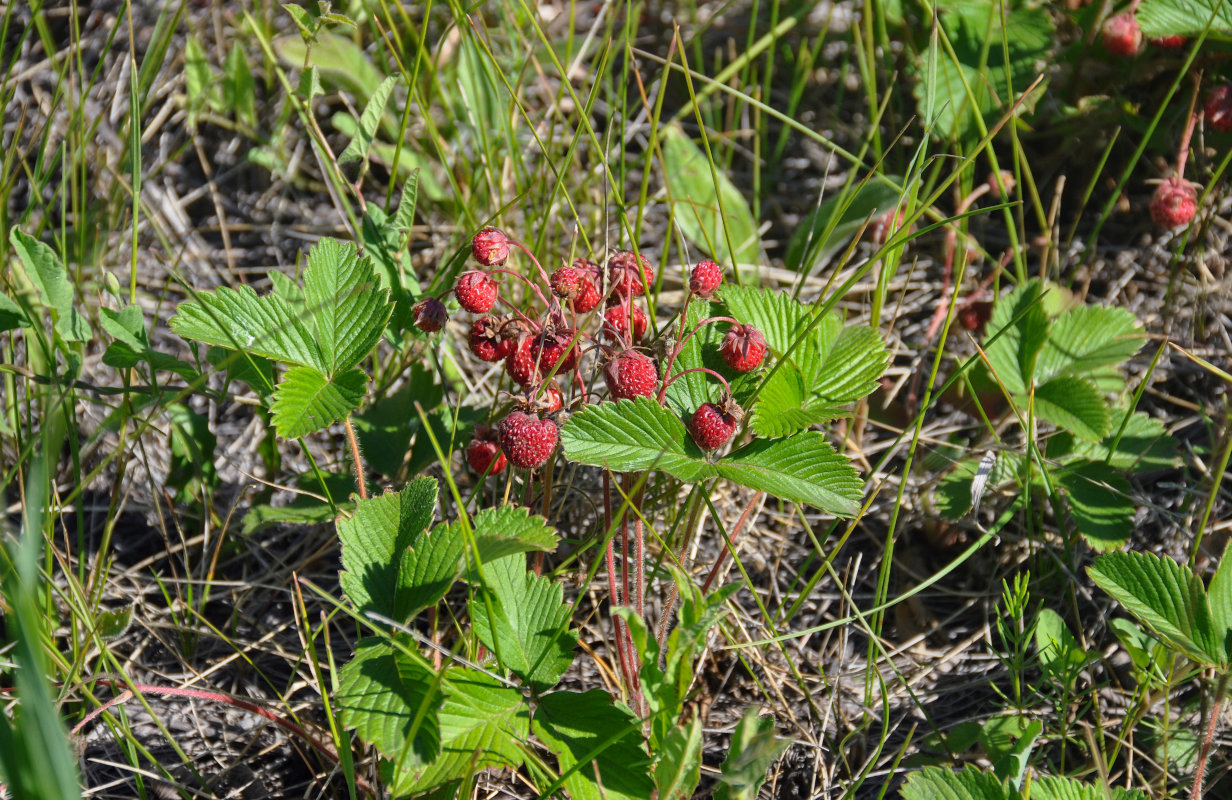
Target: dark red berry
631	374
1169	42
576	284
557	351
552	400
743	348
713	426
1218	109
1175	202
430	315
476	291
705	278
483	454
616	324
974	316
484	339
1122	36
527	440
629	273
490	247
520	362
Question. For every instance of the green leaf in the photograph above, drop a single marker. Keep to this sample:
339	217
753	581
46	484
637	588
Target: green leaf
754	749
338	60
1165	595
11	315
307	401
1082	340
980	43
825	230
633	435
374	538
43	268
1061	656
347	306
390	698
680	761
191	462
238	95
506	530
935	783
1100	503
1022	323
1220	592
237	319
597	744
783	321
1159	18
851	367
303	20
784	405
804	469
132	345
706	205
687	392
1144	445
1053	787
1074	404
199	85
428	568
528	627
357	150
1144	650
482	723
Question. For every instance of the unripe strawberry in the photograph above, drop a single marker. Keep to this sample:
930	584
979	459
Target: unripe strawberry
484	339
490	247
527	440
483	454
476	291
520	363
705	278
1218	109
631	374
713	426
629	273
743	348
430	315
616	324
1175	202
1122	36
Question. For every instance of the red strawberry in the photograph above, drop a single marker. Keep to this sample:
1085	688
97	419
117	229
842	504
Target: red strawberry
616	323
629	273
1169	42
631	374
1122	36
1175	202
490	247
485	341
430	315
556	350
527	440
577	284
743	348
1218	109
484	454
520	361
879	230
713	426
476	291
705	278
551	399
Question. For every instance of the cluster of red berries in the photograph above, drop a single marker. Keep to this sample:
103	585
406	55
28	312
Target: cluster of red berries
537	350
1123	37
1175	202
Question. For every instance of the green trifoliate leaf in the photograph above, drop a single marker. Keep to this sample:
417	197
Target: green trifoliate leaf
784	405
482	724
373	540
306	401
633	435
754	749
826	230
1087	338
597	744
1074	404
357	150
1100	503
804	469
1165	595
1160	18
1022	324
43	268
507	530
524	620
347	305
710	210
391	699
935	783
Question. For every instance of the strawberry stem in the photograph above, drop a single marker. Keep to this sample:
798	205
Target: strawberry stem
670	380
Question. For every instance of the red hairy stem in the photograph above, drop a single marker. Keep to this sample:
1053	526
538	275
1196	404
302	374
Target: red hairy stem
723	380
218	697
613	591
542	273
1182	155
1221	688
741	523
524	279
355	456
